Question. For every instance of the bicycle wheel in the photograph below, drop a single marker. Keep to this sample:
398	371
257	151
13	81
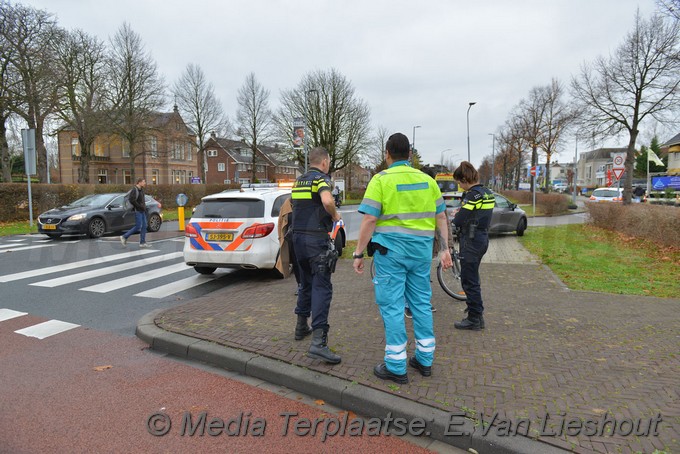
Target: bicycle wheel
450	279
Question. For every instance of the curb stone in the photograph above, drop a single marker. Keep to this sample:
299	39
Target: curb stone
341	393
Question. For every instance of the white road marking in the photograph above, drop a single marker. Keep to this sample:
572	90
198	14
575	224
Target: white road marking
23	248
46	329
178	286
135	279
145	261
70	266
8	314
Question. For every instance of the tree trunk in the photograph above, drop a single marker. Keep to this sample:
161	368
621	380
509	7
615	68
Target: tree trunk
630	161
5	161
84	168
41	151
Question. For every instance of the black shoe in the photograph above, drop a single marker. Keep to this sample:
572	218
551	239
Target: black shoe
302	330
425	371
319	347
472	324
481	321
381	371
407	313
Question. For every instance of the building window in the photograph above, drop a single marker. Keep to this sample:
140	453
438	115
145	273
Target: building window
212	153
154	146
260	168
75	147
103	176
220	167
127	178
190	151
246	153
125	147
98	148
242	168
154	176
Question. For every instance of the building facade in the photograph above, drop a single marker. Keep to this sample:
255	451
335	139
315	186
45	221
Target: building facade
167	154
595	166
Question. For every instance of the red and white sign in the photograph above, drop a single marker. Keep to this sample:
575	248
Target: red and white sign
533	171
618	164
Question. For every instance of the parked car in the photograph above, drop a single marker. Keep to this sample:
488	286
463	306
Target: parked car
238	229
561	187
607	195
96	214
506	217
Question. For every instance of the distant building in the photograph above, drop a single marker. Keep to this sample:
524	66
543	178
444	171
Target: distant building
231	161
169	154
673	148
593	166
355	176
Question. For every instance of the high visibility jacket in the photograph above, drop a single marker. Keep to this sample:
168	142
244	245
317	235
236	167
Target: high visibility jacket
477	205
309	214
405	201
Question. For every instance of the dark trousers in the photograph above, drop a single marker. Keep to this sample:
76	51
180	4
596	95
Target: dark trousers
316	290
471	253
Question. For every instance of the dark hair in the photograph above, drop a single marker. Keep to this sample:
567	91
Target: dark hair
466	173
139	180
317	155
398	146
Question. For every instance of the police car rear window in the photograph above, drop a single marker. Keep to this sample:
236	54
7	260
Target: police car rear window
230	208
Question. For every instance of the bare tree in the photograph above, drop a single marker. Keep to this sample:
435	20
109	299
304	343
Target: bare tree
254	118
82	68
641	79
374	157
200	108
7	79
530	121
136	91
30	32
671	8
557	116
336	119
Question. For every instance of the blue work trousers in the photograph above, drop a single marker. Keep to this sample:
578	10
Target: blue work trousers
471	253
315	288
396	277
140	226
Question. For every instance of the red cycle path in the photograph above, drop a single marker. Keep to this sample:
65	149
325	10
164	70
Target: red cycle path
90	391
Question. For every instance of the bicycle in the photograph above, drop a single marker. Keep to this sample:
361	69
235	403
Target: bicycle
449	280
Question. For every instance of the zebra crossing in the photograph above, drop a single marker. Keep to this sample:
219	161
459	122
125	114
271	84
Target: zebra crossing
111	273
40	331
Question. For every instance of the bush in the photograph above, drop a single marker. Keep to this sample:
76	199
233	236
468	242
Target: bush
14	196
656	223
546	204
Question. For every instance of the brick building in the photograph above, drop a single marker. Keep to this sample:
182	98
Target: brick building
231	161
169	154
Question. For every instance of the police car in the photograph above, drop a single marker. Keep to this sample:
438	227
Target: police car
238	229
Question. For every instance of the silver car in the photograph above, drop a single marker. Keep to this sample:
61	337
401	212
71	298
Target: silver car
507	216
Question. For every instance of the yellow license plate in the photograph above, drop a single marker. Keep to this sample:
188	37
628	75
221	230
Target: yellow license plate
220	237
49	227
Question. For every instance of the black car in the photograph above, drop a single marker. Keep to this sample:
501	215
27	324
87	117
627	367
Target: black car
96	214
506	217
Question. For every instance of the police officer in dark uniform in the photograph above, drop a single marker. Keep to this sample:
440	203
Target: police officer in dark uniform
313	215
473	218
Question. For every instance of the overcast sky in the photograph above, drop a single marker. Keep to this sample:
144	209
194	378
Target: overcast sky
415	63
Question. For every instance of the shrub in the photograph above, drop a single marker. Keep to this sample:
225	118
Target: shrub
656	223
546	204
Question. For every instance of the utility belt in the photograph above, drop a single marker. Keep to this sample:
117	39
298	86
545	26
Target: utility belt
471	229
320	233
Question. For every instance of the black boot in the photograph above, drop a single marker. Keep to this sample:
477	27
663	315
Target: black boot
302	329
319	349
472	323
481	321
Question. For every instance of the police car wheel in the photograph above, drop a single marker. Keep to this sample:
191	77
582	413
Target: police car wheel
205	269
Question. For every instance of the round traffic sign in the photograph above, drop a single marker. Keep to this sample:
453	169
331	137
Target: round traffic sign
618	161
181	200
533	171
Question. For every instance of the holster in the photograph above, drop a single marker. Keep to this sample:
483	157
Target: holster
372	247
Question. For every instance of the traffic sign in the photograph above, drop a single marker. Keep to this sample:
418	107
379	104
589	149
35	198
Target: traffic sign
533	171
618	173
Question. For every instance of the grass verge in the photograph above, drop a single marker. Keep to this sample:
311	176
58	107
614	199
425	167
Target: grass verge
593	259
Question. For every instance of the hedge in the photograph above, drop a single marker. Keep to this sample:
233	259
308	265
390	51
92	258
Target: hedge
14	196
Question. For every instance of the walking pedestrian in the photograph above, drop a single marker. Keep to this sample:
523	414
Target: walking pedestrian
473	218
313	215
138	201
403	211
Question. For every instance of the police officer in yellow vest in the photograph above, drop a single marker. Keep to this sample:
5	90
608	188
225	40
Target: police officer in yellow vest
473	218
403	211
313	215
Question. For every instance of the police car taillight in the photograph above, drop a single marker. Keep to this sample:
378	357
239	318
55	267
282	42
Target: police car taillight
190	231
258	231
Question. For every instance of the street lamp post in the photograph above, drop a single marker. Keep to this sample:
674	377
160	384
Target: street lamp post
441	156
470	104
413	144
306	142
493	159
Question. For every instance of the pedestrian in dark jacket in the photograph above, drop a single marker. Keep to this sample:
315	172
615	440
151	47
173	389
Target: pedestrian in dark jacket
138	201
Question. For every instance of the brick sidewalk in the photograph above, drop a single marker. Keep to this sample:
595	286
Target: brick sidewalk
546	350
